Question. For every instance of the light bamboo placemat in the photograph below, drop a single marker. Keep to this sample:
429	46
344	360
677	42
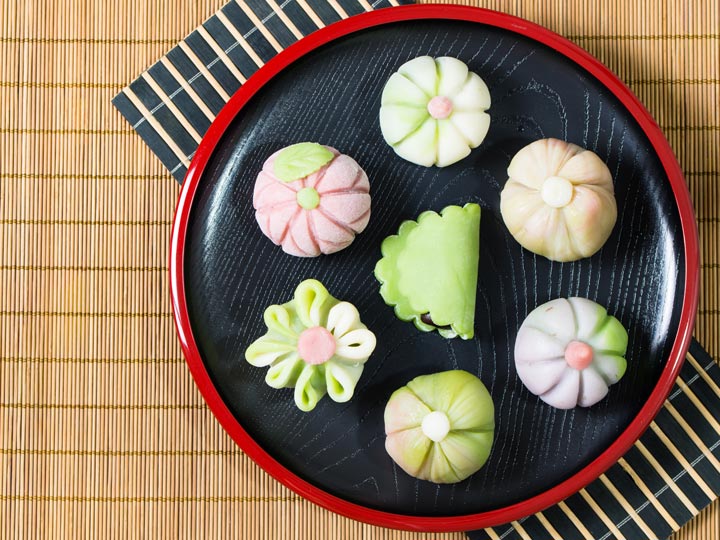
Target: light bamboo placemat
102	433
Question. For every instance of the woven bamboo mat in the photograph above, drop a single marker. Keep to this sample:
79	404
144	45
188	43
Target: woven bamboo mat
102	432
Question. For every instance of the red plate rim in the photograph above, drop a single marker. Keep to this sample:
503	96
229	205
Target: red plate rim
431	523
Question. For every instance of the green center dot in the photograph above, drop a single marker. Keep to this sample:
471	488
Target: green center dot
308	198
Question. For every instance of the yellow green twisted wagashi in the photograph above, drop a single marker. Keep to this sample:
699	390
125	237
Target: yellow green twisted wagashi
315	343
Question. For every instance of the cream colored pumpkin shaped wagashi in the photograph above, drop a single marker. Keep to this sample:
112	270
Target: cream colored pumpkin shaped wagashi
559	200
433	111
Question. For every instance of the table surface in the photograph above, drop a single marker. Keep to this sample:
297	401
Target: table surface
102	432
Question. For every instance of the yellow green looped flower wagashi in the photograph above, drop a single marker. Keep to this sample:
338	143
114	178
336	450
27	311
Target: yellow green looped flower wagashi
315	343
429	270
433	111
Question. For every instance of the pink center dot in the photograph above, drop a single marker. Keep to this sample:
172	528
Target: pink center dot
439	107
578	355
316	345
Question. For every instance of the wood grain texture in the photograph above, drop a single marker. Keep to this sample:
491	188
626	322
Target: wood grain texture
535	93
67	155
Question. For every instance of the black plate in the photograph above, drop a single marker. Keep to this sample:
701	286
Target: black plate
332	95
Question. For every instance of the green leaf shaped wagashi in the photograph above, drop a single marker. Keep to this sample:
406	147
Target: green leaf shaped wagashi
315	343
440	427
429	270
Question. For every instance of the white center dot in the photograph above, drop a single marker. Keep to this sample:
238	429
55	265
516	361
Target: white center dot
556	191
436	426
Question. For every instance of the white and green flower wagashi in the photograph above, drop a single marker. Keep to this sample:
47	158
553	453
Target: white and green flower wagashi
440	427
433	111
315	343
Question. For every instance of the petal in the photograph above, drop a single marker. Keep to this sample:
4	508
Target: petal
271	193
610	338
473	125
265	351
453	74
285	373
611	367
535	345
452	146
343	173
437	467
587	168
279	220
554	318
291	248
404	410
399	121
356	345
311	303
559	241
592	388
302	234
314	178
423	72
341	380
277	319
360	223
552	155
331	236
438	390
539	160
421	146
342	318
471	406
543	231
517	202
346	208
588	317
401	90
590	216
309	388
263	180
524	169
263	220
472	96
467	451
409	449
564	395
540	377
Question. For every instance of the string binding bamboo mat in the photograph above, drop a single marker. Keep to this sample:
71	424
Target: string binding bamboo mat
102	433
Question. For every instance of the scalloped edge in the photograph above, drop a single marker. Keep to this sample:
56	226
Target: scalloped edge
401	307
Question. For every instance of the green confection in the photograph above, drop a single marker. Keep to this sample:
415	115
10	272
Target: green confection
569	351
300	160
315	344
429	270
440	427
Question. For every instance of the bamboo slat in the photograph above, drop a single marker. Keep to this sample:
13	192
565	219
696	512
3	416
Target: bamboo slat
102	431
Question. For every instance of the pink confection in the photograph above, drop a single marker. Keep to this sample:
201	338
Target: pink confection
440	107
327	221
316	345
578	355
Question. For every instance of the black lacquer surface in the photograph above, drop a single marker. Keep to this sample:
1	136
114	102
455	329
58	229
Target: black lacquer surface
332	96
